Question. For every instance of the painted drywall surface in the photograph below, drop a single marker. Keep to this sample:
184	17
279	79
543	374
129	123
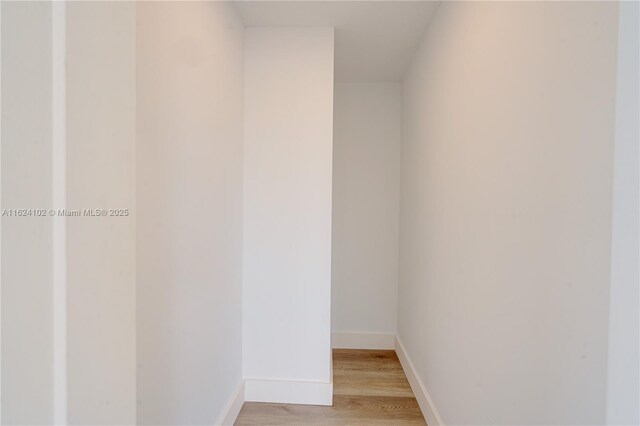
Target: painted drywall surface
366	201
101	175
27	341
508	131
189	201
287	203
623	397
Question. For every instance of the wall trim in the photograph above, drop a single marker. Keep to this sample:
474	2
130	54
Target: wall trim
231	411
289	392
419	390
362	340
59	201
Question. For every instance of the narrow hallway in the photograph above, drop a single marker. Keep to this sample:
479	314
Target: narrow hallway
369	387
320	212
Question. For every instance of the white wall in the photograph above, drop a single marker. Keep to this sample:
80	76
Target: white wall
189	200
101	175
287	209
27	333
506	211
366	200
623	390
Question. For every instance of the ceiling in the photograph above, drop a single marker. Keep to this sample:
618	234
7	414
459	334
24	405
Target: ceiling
374	40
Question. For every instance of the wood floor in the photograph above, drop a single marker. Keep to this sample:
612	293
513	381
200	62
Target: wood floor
369	387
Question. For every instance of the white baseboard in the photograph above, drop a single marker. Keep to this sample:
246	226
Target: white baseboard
362	340
288	392
230	414
424	400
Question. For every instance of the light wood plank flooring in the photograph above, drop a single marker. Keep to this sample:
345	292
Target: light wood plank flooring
369	387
